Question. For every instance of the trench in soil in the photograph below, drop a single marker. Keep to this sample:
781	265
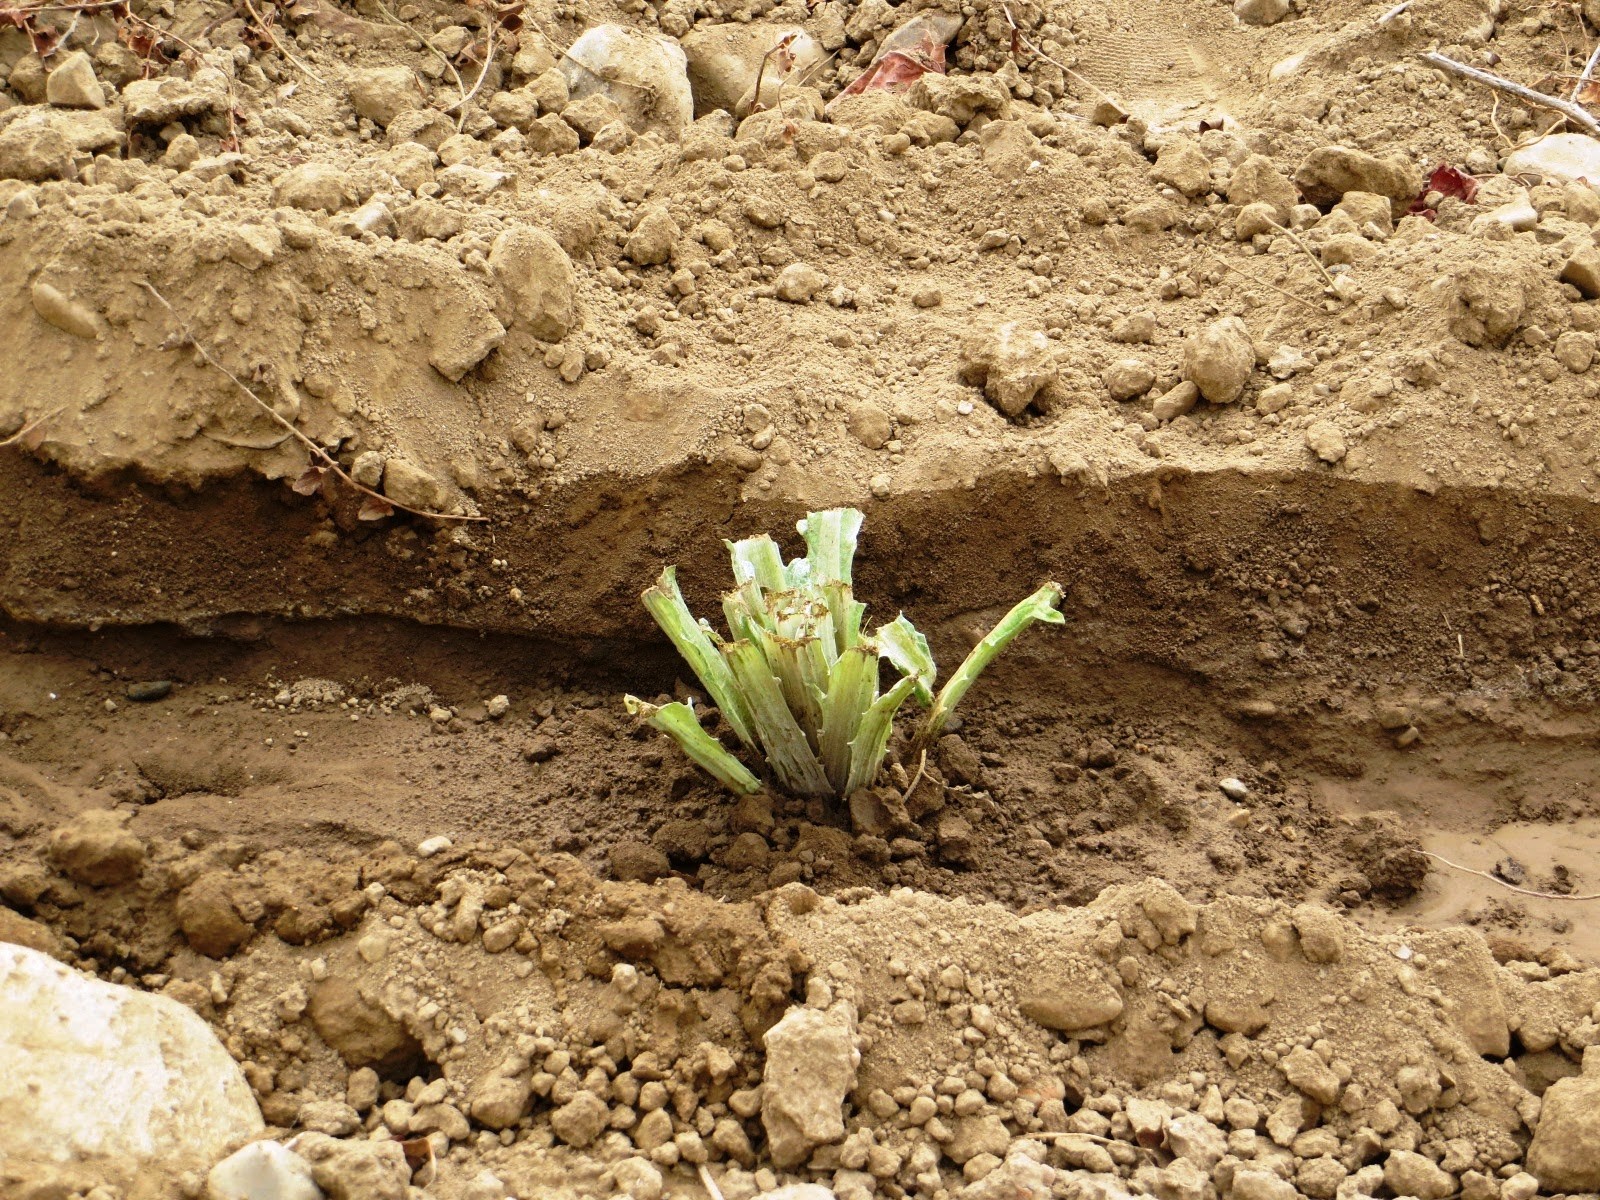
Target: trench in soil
1291	633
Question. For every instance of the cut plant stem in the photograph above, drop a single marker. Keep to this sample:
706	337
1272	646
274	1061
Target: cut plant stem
666	604
678	721
1041	606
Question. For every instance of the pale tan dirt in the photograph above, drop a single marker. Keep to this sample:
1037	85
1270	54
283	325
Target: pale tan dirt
1366	588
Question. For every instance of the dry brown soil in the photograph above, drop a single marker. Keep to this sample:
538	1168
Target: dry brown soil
1367	588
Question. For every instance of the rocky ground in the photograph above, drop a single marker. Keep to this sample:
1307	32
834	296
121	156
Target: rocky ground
368	362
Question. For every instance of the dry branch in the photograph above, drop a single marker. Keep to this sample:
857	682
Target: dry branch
1489	79
1510	887
319	456
27	429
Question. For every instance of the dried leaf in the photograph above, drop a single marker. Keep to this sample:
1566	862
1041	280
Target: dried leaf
1448	181
310	483
32	438
1589	93
374	508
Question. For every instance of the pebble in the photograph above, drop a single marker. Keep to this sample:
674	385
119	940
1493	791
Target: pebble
262	1171
1233	788
154	689
434	845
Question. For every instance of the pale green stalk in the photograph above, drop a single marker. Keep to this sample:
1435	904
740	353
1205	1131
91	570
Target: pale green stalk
677	721
852	686
872	738
788	753
901	644
1041	606
666	604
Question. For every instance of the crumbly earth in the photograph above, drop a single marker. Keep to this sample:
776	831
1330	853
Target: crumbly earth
1160	301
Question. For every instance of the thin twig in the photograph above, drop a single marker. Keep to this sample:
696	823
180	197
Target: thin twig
322	457
1489	79
1305	249
1393	13
1062	67
1267	283
266	29
488	61
710	1183
1508	886
27	429
1588	70
782	43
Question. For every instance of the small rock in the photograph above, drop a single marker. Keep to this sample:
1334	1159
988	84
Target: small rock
1257	181
149	690
1184	166
581	1120
639	1178
461	337
1128	378
799	283
356	1170
1218	359
496	707
332	1117
1581	270
380	94
1233	788
73	85
810	1068
205	912
1326	441
359	1029
538	286
638	861
1321	933
1013	365
1261	12
500	1101
1175	401
167	99
1410	1174
262	1171
437	844
313	187
1304	1069
67	315
1261	1185
97	848
869	425
651	241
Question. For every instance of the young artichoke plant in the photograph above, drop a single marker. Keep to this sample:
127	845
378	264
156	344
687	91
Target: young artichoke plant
797	679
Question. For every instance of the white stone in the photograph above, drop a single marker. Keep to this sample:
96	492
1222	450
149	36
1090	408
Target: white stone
1557	158
111	1078
645	74
811	1067
262	1171
434	845
1233	789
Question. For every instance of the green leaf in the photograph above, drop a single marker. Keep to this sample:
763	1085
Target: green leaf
787	752
666	605
872	738
852	687
907	649
1041	606
677	721
758	559
831	543
847	614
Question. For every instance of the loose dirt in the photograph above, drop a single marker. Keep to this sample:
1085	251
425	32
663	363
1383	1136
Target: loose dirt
1167	303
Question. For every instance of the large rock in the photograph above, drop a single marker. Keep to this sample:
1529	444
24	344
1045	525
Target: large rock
1257	181
811	1067
381	94
1012	364
1328	172
359	1028
1218	359
645	74
97	848
162	101
537	283
125	1084
724	60
34	150
1071	995
1557	158
1565	1154
73	85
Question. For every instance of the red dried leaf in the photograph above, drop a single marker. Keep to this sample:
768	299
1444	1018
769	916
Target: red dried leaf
1589	93
418	1152
374	509
1448	181
310	483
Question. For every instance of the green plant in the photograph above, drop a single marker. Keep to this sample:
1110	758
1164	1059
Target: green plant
797	680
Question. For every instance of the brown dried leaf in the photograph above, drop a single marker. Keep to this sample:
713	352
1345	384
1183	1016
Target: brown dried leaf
310	483
374	508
